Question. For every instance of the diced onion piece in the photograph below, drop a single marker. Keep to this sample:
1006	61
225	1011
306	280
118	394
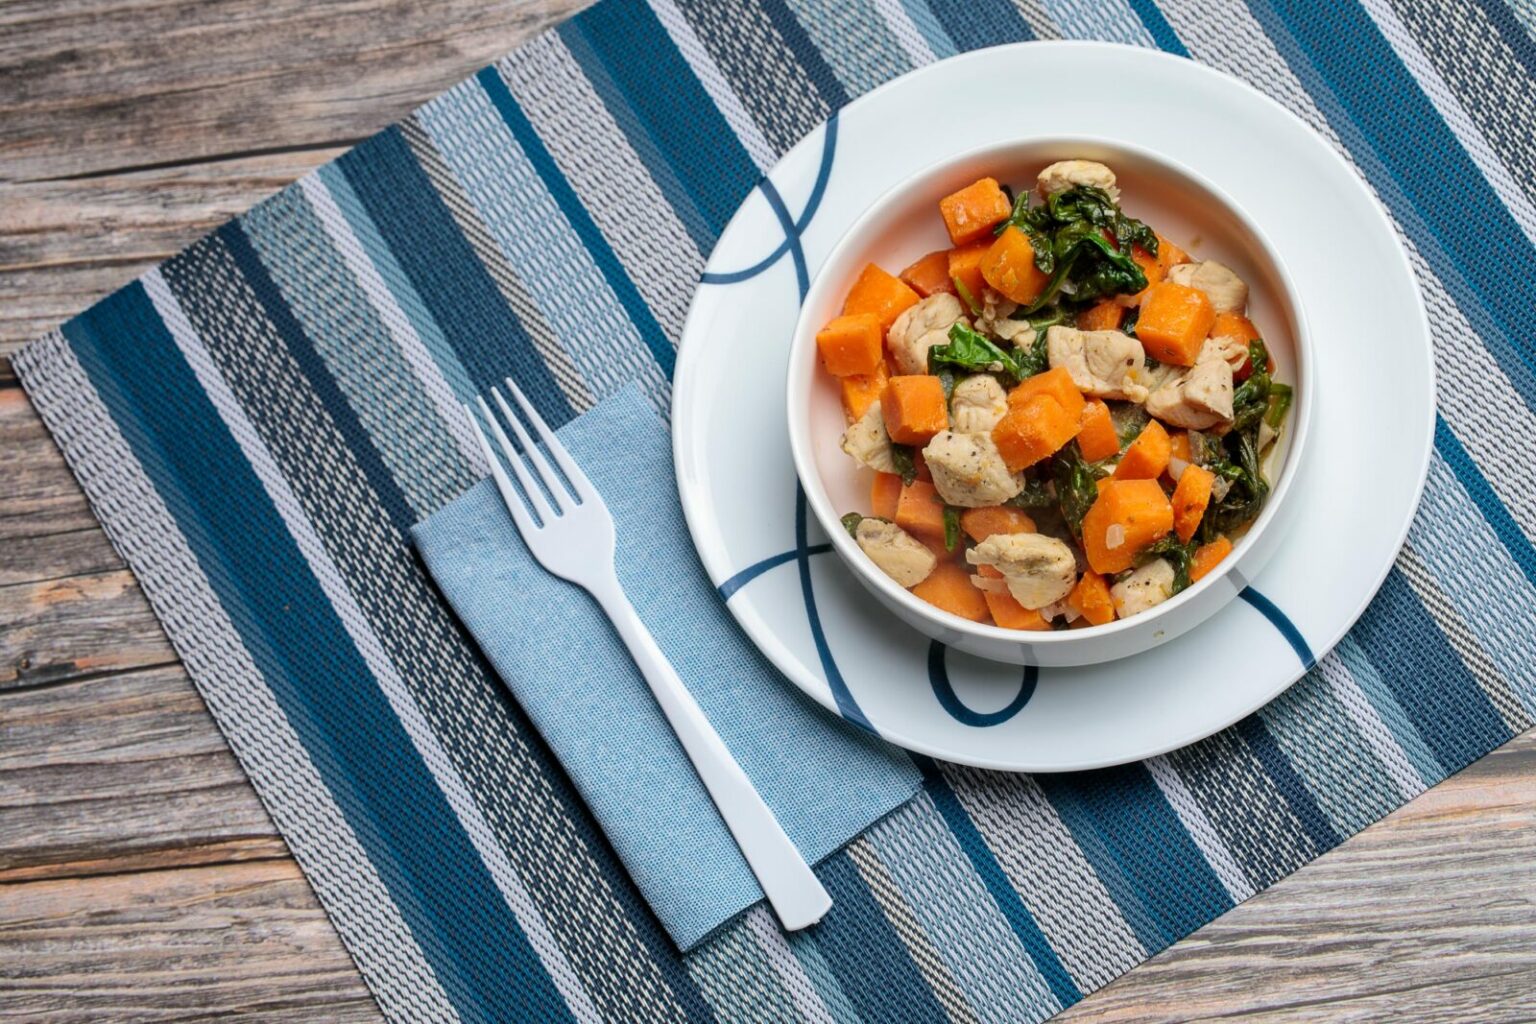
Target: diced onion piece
1176	467
1114	536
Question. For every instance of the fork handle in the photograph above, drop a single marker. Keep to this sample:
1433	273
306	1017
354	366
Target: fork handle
797	896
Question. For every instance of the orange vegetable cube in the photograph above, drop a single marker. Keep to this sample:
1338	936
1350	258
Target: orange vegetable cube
981	523
884	496
1178	445
1009	267
1207	557
949	587
1190	499
1174	322
1151	266
930	274
1008	613
1034	431
1234	325
1128	515
862	390
1104	315
1147	456
1097	438
965	270
914	408
1168	256
975	210
851	344
920	511
1056	383
1091	599
878	293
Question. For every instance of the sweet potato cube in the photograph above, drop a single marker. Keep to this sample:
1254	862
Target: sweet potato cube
862	390
981	523
851	344
1234	325
885	496
949	587
965	270
975	210
1207	557
920	511
929	274
1092	600
1168	256
1034	431
1008	613
878	293
1056	383
1128	515
1174	322
1190	499
1009	267
1104	315
1147	456
1097	439
914	408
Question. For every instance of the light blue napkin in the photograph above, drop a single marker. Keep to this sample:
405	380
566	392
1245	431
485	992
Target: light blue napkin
561	659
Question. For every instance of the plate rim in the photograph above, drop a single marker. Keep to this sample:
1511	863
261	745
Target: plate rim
765	640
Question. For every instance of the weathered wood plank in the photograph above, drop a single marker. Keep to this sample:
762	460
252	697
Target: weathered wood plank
1429	915
237	941
121	773
39	497
80	625
36	559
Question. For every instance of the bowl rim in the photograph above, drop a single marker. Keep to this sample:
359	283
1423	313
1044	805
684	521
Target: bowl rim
798	404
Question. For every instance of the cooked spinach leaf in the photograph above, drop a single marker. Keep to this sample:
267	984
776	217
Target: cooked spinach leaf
1076	482
1251	399
1083	240
1280	396
1036	493
974	352
851	523
1179	554
1132	316
1234	458
951	527
901	454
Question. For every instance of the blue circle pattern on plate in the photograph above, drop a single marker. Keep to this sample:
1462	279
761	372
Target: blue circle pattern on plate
938	672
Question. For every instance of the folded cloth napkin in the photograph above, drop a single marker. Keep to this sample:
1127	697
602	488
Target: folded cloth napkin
557	652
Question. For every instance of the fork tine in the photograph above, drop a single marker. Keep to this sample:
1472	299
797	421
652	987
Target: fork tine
584	489
509	497
546	473
530	489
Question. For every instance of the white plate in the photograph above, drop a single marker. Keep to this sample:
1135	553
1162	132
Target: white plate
1362	479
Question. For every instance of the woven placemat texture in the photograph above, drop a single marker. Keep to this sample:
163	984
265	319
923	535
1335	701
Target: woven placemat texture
259	421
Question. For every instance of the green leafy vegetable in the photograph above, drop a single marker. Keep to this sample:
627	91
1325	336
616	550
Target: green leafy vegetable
1076	482
1036	494
1280	396
1129	327
947	382
966	296
901	455
1179	554
1251	399
851	523
1035	359
951	527
1083	240
1234	458
973	352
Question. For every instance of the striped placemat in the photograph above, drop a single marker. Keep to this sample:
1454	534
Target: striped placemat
260	420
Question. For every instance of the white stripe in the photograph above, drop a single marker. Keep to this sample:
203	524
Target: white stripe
1200	829
908	36
787	966
716	84
322	840
401	701
1370	726
1454	115
1112	21
422	365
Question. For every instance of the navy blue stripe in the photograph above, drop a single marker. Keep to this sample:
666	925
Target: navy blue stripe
1282	622
756	569
949	700
316	374
1513	34
973	24
807	54
996	880
870	960
1425	160
1504	526
1289	784
1120	813
332	701
1427	677
681	122
1157	26
570	204
791	233
846	705
452	282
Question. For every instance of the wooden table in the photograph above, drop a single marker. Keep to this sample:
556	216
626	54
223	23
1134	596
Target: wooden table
140	877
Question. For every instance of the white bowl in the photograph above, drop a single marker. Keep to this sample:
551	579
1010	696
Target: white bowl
902	225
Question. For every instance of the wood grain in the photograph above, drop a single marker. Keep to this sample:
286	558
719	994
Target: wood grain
140	878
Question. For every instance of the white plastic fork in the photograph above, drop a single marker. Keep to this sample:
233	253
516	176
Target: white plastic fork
574	540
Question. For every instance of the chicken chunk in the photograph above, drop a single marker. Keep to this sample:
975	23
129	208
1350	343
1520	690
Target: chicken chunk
1145	588
968	470
1104	364
977	404
921	327
1038	570
1227	292
896	552
1200	397
867	443
1065	174
996	318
